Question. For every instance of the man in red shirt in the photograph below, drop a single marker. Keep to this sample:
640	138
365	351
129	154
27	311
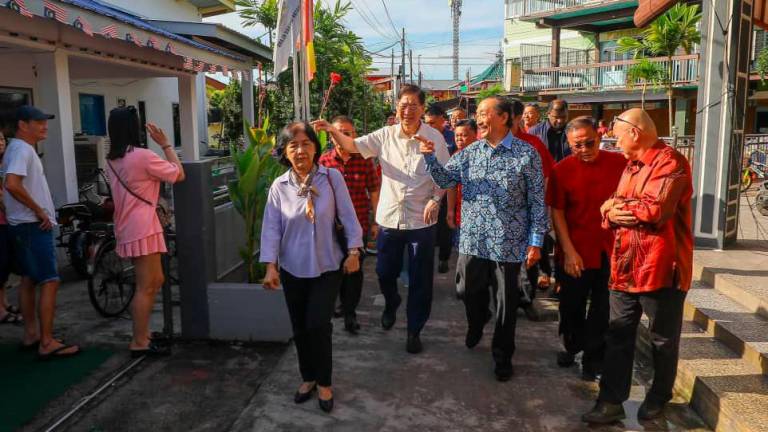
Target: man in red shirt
363	183
539	274
650	215
578	186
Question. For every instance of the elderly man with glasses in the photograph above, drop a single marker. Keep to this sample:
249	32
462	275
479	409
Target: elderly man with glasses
650	215
408	208
578	186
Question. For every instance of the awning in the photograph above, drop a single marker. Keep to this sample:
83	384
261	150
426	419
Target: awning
106	23
649	10
220	35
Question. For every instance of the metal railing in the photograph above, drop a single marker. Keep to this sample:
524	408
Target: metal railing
521	8
606	76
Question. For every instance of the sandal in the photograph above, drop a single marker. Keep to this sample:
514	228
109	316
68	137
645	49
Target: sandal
58	353
152	350
11	318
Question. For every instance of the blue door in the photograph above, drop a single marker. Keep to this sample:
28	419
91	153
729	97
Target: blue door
92	118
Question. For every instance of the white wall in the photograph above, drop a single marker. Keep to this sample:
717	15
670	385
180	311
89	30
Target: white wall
159	94
172	10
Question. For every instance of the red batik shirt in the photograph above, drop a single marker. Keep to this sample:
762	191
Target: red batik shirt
657	252
361	178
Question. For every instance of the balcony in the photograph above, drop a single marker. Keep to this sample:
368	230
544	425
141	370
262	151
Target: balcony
584	15
604	76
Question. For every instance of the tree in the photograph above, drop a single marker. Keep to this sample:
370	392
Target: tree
490	91
648	73
669	33
339	50
262	12
761	63
229	103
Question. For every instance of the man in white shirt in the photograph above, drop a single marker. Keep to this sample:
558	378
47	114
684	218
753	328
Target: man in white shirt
31	217
408	208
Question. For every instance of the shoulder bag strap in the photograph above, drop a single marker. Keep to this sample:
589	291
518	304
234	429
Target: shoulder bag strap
128	189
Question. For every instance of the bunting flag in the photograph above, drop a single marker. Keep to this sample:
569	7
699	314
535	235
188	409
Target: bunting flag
54	11
83	25
308	26
20	7
225	70
152	42
170	49
212	68
188	63
109	32
200	66
130	37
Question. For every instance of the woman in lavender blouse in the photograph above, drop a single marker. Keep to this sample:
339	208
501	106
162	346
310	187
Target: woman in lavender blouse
299	245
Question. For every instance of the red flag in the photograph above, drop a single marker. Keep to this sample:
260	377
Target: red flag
20	7
109	31
54	11
83	25
188	63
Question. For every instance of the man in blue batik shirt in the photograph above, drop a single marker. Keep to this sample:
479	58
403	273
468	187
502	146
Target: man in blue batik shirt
503	219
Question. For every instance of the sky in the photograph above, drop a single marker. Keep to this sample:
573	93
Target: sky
428	28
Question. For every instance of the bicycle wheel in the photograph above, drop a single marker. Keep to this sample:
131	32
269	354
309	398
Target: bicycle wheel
112	283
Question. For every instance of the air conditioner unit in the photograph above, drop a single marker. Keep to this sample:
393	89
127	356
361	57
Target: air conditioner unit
90	155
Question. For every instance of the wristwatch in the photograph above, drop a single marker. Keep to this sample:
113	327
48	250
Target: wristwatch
353	252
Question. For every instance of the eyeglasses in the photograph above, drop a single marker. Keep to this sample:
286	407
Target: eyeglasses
404	107
586	145
617	119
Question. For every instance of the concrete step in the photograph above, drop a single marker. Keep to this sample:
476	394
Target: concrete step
728	392
735	326
741	275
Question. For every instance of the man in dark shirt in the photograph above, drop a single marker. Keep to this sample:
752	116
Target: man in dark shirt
435	117
552	130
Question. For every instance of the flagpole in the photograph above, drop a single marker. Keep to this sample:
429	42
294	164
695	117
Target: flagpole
296	83
305	83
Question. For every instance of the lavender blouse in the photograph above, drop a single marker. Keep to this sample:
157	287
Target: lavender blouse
301	248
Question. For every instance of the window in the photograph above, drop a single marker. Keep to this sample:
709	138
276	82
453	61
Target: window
176	126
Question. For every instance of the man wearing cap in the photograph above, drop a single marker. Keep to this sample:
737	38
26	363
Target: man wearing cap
31	217
552	130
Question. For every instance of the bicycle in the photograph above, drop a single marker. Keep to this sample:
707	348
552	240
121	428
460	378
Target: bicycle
756	169
112	279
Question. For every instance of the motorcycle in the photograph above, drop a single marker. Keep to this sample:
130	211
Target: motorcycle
756	169
83	224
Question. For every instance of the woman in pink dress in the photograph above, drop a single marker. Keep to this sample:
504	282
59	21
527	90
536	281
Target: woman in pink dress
135	175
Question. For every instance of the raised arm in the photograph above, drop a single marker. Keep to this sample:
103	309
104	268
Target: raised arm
445	177
347	143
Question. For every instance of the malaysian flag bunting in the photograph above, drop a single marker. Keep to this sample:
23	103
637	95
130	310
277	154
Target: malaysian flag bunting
225	70
200	67
54	11
152	42
170	49
109	31
20	7
130	37
83	25
212	68
188	63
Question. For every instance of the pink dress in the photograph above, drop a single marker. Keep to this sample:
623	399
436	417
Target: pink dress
137	227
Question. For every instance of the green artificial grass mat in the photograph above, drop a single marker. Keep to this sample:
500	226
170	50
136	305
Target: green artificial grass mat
28	384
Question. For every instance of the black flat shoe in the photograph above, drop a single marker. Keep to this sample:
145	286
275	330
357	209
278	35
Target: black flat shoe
649	410
413	344
504	372
351	325
300	397
604	413
152	350
473	337
326	405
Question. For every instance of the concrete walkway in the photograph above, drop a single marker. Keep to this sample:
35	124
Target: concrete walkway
380	387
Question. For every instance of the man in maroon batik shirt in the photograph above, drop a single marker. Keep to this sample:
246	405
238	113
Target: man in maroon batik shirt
578	187
363	183
650	215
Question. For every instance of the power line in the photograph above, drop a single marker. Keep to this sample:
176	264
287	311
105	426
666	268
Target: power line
394	27
375	26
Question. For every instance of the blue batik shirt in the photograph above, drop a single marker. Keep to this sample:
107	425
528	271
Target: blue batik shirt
502	209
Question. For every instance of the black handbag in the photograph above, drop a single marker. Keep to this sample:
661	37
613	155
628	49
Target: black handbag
338	227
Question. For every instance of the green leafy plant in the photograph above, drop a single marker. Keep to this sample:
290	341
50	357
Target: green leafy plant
490	91
761	63
255	170
262	12
648	73
675	30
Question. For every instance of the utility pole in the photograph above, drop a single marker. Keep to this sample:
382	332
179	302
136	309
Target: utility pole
402	56
410	61
392	81
419	59
456	14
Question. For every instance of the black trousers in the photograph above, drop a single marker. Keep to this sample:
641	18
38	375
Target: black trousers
351	289
583	329
543	266
444	233
484	278
310	305
665	311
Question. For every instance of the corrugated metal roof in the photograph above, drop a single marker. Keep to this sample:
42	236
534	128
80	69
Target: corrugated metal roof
138	22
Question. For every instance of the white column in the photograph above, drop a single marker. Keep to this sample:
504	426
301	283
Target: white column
54	97
190	137
248	105
202	113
